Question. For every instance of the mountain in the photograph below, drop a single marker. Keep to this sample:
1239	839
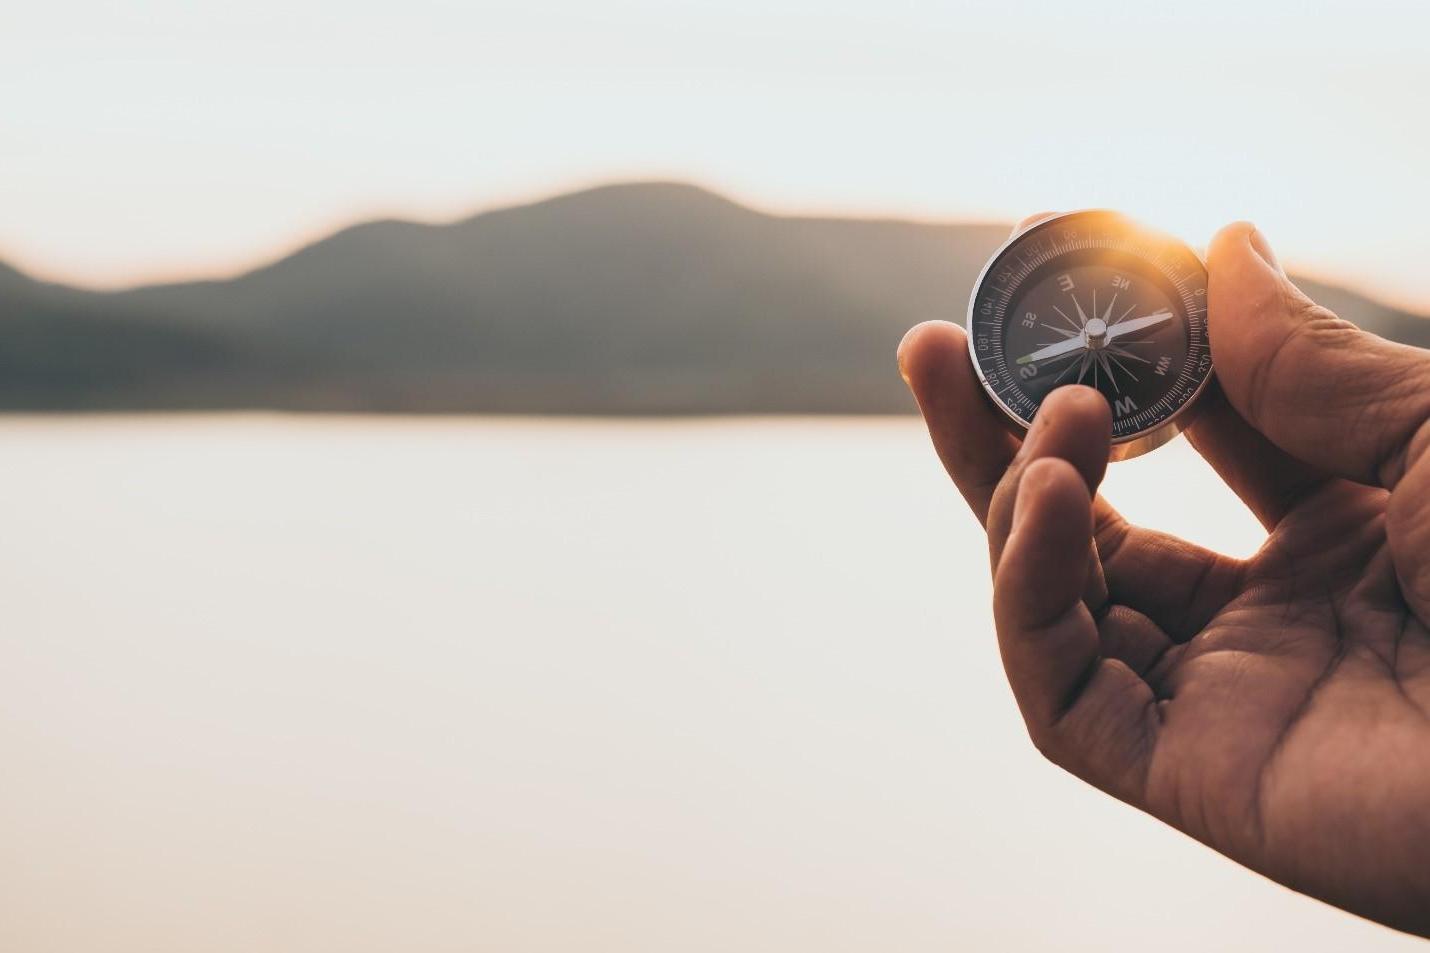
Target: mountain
651	298
68	350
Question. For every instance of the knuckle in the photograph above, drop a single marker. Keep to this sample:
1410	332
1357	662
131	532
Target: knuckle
1317	319
1310	325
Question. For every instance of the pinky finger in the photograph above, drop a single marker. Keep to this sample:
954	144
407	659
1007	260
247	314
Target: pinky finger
1091	715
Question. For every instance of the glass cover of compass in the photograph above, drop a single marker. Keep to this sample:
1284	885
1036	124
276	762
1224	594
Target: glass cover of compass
1093	298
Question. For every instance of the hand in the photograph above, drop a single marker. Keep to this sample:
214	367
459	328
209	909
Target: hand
1278	708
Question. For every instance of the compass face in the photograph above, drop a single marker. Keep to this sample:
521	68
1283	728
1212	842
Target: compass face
1091	298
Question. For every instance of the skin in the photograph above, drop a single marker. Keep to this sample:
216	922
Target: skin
1277	708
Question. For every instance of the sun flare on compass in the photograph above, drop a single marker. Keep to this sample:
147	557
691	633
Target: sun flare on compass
1090	298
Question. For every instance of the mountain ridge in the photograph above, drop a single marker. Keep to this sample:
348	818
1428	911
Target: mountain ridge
630	298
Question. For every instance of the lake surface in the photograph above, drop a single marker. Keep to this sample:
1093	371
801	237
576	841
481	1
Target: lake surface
313	684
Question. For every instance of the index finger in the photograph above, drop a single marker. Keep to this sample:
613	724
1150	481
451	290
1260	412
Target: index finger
972	440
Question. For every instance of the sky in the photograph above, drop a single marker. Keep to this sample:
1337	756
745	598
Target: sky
144	141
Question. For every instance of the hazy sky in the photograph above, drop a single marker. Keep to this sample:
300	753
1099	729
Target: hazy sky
177	137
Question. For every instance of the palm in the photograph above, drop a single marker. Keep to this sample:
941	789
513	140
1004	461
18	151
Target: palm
1277	708
1294	721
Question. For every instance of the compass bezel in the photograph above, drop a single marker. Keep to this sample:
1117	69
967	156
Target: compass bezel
1129	445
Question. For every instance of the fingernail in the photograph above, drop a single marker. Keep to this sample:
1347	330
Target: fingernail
899	355
1263	248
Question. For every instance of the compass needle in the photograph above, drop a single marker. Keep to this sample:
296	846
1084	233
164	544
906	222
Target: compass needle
1046	351
1060	357
1030	332
1138	324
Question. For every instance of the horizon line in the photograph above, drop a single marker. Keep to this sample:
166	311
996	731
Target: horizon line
318	233
307	237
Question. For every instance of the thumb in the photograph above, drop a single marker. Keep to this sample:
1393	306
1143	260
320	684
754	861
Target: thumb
1337	397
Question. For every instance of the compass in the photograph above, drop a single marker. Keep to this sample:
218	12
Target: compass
1094	298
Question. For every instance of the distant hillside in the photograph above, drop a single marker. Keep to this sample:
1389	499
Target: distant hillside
645	298
63	350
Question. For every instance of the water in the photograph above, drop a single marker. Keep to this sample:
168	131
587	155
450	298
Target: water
439	685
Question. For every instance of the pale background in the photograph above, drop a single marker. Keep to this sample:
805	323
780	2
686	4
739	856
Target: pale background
169	138
310	684
375	685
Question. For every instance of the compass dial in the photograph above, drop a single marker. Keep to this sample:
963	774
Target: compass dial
1092	298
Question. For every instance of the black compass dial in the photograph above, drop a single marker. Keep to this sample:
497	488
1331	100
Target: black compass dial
1091	298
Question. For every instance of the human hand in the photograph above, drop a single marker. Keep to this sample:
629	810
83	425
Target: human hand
1277	708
